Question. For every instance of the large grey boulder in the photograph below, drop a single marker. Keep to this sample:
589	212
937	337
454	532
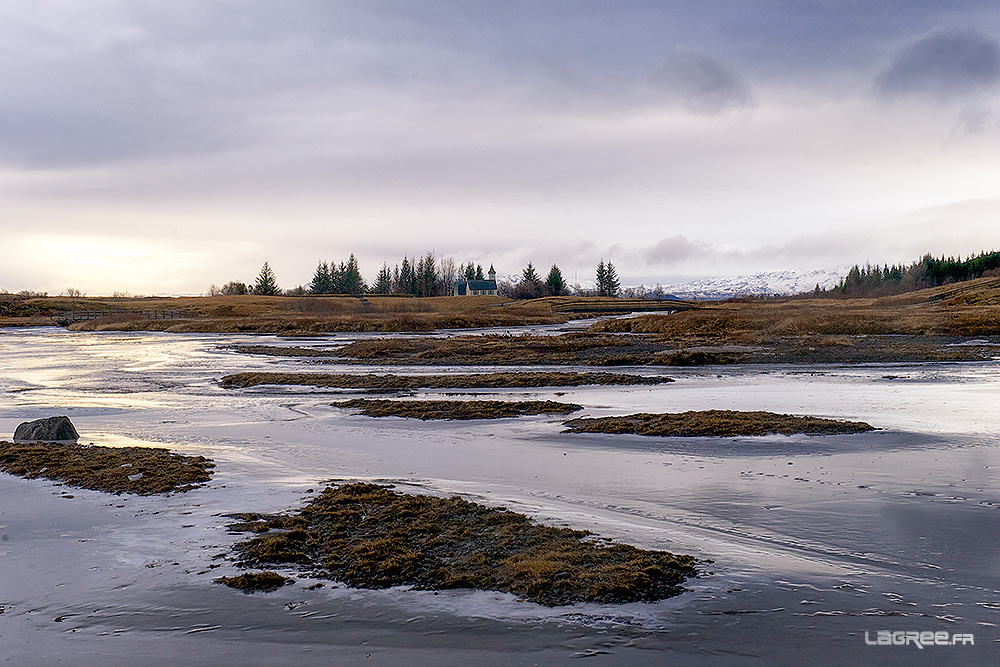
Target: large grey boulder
50	428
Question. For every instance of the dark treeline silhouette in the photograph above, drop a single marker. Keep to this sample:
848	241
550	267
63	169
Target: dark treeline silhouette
929	271
430	276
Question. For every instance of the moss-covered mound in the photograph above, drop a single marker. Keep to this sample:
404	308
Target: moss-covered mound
723	423
368	536
253	582
455	409
140	470
464	381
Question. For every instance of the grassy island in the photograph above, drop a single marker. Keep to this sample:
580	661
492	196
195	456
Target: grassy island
369	536
139	470
426	410
392	382
721	423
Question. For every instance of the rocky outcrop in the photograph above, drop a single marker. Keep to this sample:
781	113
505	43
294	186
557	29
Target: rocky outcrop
45	430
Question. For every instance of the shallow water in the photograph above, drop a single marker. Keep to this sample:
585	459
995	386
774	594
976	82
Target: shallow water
815	540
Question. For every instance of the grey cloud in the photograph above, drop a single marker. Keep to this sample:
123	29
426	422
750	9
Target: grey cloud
945	63
701	83
676	249
810	248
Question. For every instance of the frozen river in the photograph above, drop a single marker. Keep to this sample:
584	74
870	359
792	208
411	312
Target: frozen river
816	541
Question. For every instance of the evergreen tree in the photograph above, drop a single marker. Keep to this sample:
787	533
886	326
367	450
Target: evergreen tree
529	276
266	284
321	283
407	283
554	283
350	277
530	285
426	276
607	279
383	283
613	284
479	272
469	271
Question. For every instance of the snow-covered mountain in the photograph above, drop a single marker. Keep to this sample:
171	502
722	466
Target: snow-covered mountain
758	284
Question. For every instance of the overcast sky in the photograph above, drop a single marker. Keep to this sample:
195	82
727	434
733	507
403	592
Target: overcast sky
160	147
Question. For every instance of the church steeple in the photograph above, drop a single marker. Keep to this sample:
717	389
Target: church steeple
492	273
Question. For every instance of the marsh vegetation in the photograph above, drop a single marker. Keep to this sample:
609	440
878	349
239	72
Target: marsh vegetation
392	382
369	536
720	423
139	470
444	409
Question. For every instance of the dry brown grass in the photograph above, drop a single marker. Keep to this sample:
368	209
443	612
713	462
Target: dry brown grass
140	470
369	536
486	349
314	314
721	423
393	382
445	409
306	314
971	308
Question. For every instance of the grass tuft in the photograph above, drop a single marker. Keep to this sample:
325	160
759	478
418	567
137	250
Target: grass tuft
254	582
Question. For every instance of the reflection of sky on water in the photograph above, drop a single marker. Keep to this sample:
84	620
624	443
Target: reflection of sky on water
899	526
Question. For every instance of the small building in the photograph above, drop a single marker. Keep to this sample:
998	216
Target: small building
477	287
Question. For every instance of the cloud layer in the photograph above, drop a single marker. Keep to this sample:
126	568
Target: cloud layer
689	138
946	63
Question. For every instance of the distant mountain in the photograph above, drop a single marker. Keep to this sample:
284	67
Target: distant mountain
758	284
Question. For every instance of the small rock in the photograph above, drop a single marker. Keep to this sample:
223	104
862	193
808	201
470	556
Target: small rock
46	430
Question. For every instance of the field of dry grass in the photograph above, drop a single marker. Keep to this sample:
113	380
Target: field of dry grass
964	309
912	327
305	314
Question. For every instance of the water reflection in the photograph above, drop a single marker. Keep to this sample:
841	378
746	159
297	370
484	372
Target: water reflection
814	538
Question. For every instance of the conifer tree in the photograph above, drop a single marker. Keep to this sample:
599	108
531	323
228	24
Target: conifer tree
607	279
350	277
602	277
426	278
530	286
320	283
266	283
530	276
383	283
407	283
613	284
554	283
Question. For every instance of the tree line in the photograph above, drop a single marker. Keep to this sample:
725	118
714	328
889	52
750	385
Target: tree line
426	276
928	271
